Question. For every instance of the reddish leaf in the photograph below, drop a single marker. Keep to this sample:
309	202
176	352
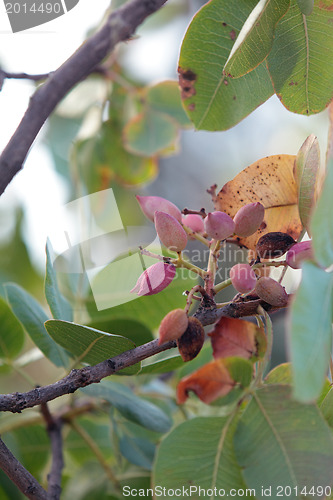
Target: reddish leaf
210	382
236	337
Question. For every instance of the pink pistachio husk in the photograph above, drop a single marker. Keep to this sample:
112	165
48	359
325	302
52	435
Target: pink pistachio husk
151	204
154	279
195	223
170	232
298	253
248	219
243	278
219	225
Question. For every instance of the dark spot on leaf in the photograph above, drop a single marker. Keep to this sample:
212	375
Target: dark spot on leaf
225	82
224	24
234	98
232	34
291	83
186	82
262	226
191	107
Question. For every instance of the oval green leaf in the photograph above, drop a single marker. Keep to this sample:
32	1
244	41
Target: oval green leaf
213	101
255	39
280	442
33	317
321	222
132	407
11	334
199	453
59	306
165	98
150	133
310	332
306	175
90	345
301	60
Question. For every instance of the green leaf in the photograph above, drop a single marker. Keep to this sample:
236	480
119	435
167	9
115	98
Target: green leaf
103	159
137	451
327	408
165	98
131	329
150	133
33	317
130	406
199	453
280	442
90	345
162	366
306	6
213	101
310	333
255	39
30	446
321	222
150	309
301	60
281	374
11	333
59	306
306	173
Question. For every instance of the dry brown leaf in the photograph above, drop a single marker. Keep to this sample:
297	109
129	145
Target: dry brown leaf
209	382
271	182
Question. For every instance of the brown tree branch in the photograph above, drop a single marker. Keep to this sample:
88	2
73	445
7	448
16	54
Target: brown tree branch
120	26
19	475
54	430
17	402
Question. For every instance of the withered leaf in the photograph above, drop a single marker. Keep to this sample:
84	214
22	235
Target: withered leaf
271	182
237	337
209	382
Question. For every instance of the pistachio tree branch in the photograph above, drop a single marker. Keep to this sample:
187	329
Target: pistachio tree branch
206	313
19	475
119	26
54	430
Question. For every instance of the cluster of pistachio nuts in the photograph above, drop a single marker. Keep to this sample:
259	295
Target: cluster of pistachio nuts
174	231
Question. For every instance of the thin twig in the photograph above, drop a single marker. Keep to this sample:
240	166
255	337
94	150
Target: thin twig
54	428
119	26
19	475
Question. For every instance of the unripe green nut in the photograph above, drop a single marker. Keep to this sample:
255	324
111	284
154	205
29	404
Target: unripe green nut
191	342
243	278
173	325
273	245
271	292
219	225
170	232
298	253
248	219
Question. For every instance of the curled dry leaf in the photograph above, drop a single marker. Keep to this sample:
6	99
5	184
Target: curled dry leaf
271	182
210	382
236	337
191	342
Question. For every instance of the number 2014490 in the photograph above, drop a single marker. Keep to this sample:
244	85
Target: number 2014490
23	8
315	491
